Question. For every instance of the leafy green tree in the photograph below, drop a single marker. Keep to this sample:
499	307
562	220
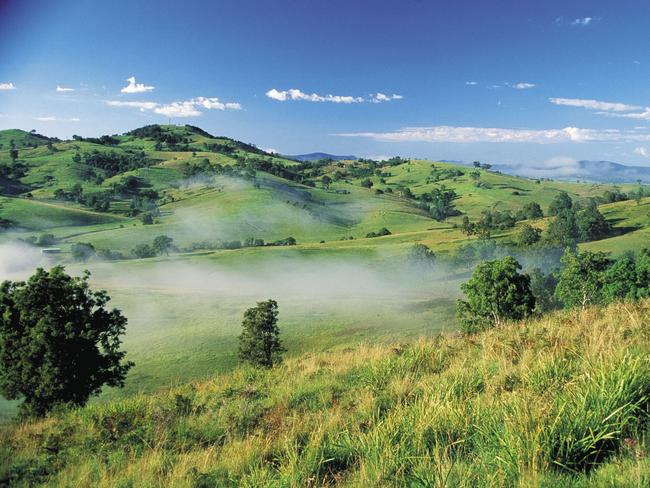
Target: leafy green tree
495	293
421	256
532	211
143	251
58	343
592	224
562	201
259	343
529	235
82	251
147	219
367	183
543	287
326	181
563	229
581	278
163	244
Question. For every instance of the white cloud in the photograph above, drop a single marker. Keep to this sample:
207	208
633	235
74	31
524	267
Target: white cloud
524	86
7	86
271	150
642	151
134	87
60	88
471	83
185	108
141	105
295	94
445	133
582	21
51	118
594	104
178	109
381	97
645	115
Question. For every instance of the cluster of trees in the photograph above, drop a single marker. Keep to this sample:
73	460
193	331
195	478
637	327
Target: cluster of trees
498	291
159	246
441	203
574	222
381	232
103	140
113	162
100	202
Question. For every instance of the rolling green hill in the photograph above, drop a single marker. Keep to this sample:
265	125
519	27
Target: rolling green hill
560	401
336	286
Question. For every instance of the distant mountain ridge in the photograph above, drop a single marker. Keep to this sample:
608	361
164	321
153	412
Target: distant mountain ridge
315	156
596	171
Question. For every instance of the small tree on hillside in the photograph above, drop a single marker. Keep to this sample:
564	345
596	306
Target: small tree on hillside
326	181
259	343
58	343
163	244
82	251
495	293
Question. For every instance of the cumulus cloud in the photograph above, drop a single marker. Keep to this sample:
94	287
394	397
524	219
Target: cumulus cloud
185	108
642	151
7	86
524	86
295	94
134	87
471	83
60	88
445	133
594	104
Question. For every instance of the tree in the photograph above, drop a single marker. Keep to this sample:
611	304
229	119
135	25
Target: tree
529	235
420	255
495	293
163	244
82	251
543	287
532	210
563	229
367	183
326	181
591	223
143	251
581	278
259	343
58	343
562	201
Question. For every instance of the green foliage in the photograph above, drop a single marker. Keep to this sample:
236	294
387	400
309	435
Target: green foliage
82	251
380	233
259	343
163	244
495	293
58	343
562	201
421	256
529	235
581	278
142	251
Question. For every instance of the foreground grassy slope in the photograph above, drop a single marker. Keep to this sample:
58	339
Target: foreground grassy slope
557	401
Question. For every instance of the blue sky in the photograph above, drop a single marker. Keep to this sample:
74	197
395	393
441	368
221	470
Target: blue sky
522	82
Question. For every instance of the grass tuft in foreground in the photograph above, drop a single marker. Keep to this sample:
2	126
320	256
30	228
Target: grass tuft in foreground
558	401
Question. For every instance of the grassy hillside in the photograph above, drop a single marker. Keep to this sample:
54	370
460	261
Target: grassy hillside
557	401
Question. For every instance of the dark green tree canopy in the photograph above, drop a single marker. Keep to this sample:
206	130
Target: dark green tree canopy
562	201
495	293
259	343
58	343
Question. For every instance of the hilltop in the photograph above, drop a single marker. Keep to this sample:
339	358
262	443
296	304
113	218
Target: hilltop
556	401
